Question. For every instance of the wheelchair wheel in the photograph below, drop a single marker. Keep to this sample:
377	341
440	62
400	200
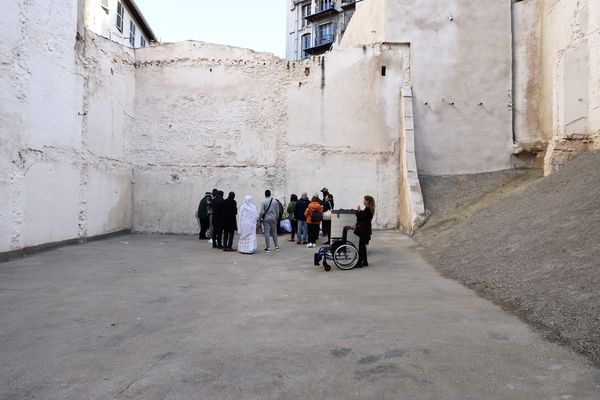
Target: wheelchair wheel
345	256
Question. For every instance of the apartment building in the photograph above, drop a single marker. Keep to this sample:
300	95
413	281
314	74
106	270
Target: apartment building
314	26
120	21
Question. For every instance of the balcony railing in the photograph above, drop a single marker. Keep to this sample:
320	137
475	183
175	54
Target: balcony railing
325	38
324	6
322	11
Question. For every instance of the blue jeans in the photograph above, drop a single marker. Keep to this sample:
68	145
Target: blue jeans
302	233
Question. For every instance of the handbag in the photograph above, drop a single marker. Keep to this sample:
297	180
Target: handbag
327	215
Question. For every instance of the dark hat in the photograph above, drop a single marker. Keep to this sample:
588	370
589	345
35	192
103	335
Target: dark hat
325	190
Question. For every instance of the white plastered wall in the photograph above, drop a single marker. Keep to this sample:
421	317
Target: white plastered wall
345	125
212	116
527	74
207	116
570	107
461	77
64	175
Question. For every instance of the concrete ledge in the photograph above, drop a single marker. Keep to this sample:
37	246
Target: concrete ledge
27	251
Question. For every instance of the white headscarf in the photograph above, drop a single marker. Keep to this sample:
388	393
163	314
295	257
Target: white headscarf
248	217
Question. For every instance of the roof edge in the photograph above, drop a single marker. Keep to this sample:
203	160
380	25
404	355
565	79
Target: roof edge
137	14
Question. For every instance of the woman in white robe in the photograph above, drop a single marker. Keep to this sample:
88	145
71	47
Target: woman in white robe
247	226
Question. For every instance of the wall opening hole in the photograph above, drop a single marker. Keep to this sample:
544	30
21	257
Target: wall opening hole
383	70
307	71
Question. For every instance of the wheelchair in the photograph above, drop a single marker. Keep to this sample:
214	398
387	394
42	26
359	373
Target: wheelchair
341	251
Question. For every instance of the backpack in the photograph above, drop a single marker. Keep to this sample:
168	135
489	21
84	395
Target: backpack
316	216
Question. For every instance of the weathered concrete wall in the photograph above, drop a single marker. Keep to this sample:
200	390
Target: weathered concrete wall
214	116
207	116
345	126
106	137
461	73
529	144
570	107
51	177
367	25
527	28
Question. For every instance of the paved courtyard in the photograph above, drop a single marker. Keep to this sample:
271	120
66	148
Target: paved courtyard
168	317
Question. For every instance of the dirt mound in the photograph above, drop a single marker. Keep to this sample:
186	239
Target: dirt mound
534	249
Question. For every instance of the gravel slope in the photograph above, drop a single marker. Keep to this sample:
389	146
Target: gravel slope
534	249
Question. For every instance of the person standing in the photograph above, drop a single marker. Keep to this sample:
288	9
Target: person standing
229	221
314	216
292	216
247	242
279	216
327	206
362	229
203	216
301	205
217	220
210	214
269	212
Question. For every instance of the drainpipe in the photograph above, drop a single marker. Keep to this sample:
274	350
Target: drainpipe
513	67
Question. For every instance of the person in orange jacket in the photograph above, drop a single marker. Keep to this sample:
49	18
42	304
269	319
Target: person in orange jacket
314	216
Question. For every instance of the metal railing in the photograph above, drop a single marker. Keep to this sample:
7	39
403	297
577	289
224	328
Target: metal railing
324	39
324	6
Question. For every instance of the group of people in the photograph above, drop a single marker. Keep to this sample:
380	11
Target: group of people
307	216
219	216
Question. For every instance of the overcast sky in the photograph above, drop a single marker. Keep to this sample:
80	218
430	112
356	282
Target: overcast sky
255	24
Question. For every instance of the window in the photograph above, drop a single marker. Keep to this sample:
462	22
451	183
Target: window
104	5
305	45
325	34
305	13
323	5
131	33
120	12
142	41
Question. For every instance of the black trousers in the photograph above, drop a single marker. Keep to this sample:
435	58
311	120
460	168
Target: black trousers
327	229
204	225
217	236
362	250
228	239
294	227
313	233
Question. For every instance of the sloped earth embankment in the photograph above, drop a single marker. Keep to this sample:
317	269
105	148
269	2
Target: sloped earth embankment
534	249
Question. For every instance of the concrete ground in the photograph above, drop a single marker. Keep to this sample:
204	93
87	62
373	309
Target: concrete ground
167	317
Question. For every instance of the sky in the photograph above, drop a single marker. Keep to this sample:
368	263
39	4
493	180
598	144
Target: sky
255	24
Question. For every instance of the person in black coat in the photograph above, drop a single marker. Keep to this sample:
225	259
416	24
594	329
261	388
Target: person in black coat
217	207
327	206
362	229
229	221
301	206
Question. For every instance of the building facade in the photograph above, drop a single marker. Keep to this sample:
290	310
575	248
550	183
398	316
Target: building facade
120	21
314	26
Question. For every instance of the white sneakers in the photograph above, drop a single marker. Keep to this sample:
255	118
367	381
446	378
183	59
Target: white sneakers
311	245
